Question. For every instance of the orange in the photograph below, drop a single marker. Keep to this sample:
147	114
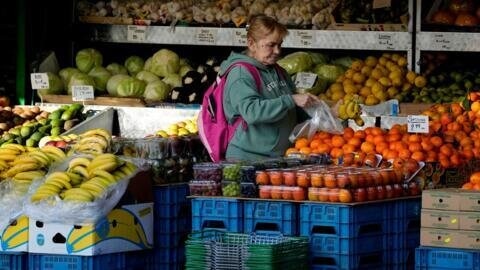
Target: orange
475	106
468	153
323	148
426	144
414	138
348	148
476	187
414	147
418	156
456	109
391	154
348	133
359	134
467	186
306	150
446	150
338	141
370	138
315	143
431	156
367	147
475	178
301	142
404	153
290	151
436	141
377	131
394	137
336	152
355	141
466	142
324	135
379	147
444	162
378	139
456	160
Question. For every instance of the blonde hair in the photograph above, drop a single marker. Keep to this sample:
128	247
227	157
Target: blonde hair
260	26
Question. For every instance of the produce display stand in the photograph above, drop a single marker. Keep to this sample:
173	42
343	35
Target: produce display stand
104	101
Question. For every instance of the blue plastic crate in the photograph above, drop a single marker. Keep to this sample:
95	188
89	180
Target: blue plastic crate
167	255
143	259
344	220
409	208
333	244
13	261
446	258
404	225
217	213
68	262
182	210
404	240
171	194
170	240
261	216
172	225
325	261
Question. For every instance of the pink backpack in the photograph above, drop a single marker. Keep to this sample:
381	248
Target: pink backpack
213	128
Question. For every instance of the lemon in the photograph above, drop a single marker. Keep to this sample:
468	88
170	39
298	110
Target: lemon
387	55
411	76
365	91
397	73
336	87
395	57
370	81
347	81
371	100
397	81
392	91
382	96
349	73
406	87
350	89
376	73
382	60
358	77
402	61
420	81
340	78
337	96
366	70
357	65
377	88
371	61
385	81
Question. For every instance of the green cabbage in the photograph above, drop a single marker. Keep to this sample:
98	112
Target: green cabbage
101	76
164	62
131	87
148	64
87	59
329	72
146	76
173	80
184	70
345	62
113	83
318	58
296	62
116	68
156	91
80	79
66	74
134	64
55	85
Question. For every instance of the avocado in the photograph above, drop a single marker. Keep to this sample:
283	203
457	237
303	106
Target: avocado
67	115
55	115
57	122
31	142
55	131
37	136
25	131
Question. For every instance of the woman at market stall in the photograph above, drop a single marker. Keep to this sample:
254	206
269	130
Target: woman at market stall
270	112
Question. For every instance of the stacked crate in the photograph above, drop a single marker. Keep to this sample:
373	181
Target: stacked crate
450	230
217	213
13	261
270	217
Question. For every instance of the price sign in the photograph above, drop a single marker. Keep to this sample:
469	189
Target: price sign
239	37
381	3
441	42
206	36
385	41
39	80
82	93
417	124
303	38
136	33
305	80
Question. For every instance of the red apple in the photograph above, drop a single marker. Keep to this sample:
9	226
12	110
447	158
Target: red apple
360	195
371	193
381	193
61	144
52	143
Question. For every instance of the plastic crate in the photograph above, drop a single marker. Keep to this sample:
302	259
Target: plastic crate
328	243
326	261
409	208
270	216
171	194
170	240
404	225
405	257
217	213
112	261
344	220
172	225
143	259
446	258
13	261
172	210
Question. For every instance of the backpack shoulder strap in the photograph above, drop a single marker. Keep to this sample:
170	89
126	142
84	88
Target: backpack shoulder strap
251	68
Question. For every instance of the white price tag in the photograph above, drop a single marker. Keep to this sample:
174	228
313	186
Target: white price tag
239	37
136	33
441	42
39	80
82	93
206	36
381	3
305	38
417	124
386	41
305	80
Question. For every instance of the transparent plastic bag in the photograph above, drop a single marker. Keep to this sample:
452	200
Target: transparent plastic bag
76	213
12	197
322	119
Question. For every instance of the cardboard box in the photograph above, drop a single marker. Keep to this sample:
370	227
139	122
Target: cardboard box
449	238
127	228
451	199
440	219
14	238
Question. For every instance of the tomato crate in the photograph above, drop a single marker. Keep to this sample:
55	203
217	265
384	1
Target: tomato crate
172	210
367	261
113	261
13	260
217	213
270	216
331	243
446	258
344	220
170	240
172	225
171	194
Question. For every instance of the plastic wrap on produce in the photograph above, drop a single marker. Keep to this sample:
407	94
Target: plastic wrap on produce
140	122
11	201
76	213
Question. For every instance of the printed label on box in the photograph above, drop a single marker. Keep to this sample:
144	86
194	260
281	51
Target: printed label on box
15	237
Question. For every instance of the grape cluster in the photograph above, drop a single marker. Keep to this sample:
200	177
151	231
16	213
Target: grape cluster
207	171
231	189
247	174
231	172
204	188
249	190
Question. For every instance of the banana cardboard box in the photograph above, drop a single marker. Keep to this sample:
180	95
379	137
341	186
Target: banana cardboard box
14	238
127	228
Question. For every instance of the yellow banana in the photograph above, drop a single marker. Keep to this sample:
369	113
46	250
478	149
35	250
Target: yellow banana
104	174
41	157
8	158
40	196
48	188
79	161
90	147
14	146
22	168
98	131
6	151
359	121
75	178
58	183
118	174
22	159
94	139
3	165
78	198
342	112
30	149
29	175
75	193
93	187
58	175
21	182
80	170
55	151
102	181
350	109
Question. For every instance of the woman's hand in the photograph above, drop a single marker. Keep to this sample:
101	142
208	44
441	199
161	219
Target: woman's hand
304	100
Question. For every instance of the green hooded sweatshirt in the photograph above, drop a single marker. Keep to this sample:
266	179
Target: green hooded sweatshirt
270	112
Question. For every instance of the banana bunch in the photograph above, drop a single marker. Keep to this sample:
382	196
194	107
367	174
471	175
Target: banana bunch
350	109
85	179
182	128
94	141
